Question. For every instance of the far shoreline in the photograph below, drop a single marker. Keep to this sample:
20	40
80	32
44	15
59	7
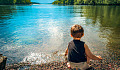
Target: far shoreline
91	4
64	4
22	3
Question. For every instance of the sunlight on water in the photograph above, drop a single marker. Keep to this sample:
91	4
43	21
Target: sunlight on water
36	58
39	58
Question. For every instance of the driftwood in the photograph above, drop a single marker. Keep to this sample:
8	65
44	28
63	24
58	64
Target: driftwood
3	60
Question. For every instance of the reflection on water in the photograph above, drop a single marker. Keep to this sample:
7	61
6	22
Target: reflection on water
29	30
109	25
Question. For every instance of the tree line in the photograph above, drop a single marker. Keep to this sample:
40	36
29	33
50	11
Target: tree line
87	2
9	2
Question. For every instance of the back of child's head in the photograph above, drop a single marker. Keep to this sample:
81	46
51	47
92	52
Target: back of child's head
77	31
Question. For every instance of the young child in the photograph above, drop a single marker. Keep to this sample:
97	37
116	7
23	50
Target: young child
78	52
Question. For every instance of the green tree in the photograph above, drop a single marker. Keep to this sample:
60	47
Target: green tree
15	1
92	2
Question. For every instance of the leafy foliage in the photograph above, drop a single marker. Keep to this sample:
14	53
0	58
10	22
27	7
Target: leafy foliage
87	2
7	2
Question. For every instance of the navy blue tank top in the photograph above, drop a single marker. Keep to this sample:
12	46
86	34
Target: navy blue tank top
76	51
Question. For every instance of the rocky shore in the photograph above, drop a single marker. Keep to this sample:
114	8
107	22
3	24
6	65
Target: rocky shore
56	63
60	66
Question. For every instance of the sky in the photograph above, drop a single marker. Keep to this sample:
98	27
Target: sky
43	1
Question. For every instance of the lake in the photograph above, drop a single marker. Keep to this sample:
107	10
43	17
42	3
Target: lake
29	33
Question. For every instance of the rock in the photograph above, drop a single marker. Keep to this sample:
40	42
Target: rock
3	60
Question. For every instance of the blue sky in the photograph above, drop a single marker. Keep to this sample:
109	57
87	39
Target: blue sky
43	1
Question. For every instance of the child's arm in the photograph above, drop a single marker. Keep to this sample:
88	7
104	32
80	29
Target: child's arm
66	51
90	55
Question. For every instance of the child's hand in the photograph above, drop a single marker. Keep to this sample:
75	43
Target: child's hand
65	54
99	57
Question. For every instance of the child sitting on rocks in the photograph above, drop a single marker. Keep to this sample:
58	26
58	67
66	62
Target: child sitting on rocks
78	52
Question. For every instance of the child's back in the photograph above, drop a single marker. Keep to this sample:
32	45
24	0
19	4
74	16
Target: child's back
76	51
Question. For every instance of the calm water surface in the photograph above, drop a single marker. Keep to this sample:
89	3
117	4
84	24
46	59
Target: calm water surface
30	30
